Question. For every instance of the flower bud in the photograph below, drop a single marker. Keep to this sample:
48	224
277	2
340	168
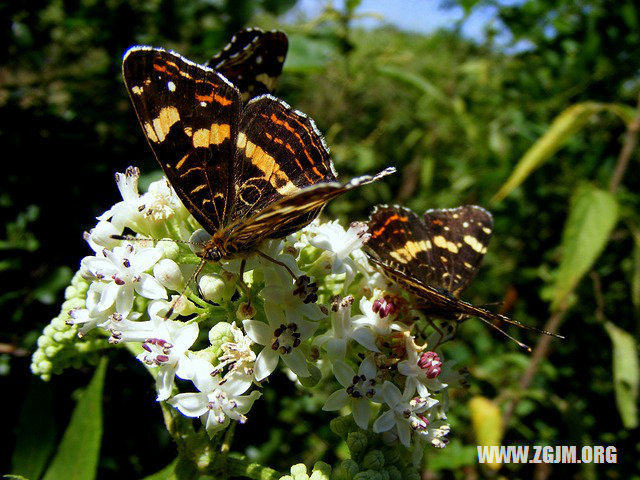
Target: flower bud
169	248
168	273
215	288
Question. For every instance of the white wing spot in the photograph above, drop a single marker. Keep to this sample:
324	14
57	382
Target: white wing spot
171	86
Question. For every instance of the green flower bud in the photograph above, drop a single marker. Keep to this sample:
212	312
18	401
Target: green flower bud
373	460
357	443
321	471
216	288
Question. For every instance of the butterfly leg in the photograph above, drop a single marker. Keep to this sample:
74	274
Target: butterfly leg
241	284
304	287
278	262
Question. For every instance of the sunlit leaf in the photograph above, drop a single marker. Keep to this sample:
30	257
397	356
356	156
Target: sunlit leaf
307	54
486	420
592	216
418	81
565	125
78	452
626	374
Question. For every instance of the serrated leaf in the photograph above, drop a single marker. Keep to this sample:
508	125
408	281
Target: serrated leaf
36	432
486	420
592	216
563	126
626	374
78	453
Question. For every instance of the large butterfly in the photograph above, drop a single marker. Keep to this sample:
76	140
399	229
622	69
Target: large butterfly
252	61
246	172
435	257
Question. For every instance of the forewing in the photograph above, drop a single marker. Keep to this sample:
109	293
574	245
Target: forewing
189	115
292	212
279	152
459	239
252	61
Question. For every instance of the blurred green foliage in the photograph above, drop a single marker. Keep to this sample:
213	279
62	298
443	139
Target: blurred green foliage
454	116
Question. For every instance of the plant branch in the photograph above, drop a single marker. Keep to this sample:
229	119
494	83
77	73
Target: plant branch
629	145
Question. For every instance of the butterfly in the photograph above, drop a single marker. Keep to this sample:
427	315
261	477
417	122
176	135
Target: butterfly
247	172
435	257
252	61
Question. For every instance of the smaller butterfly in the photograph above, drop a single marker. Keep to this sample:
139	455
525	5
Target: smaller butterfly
435	257
252	61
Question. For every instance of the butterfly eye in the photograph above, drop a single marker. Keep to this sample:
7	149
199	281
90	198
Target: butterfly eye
212	254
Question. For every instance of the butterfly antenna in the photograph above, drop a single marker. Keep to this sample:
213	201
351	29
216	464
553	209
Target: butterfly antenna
131	238
527	327
495	327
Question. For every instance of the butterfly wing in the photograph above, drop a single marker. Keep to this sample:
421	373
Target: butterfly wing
400	240
279	151
459	239
189	114
442	250
252	61
292	212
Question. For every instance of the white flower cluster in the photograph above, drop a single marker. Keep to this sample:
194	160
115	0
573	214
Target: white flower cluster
337	317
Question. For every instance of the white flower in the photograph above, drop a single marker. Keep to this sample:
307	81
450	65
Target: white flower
422	369
342	330
217	401
405	413
160	203
126	213
280	340
377	320
99	237
92	317
123	271
281	294
359	390
340	244
237	355
165	344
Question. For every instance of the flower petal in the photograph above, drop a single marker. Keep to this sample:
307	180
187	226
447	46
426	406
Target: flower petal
361	411
336	401
266	363
190	404
150	288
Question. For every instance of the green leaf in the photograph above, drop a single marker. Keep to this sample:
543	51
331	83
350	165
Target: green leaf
626	374
418	81
308	54
36	432
566	124
167	473
78	453
592	216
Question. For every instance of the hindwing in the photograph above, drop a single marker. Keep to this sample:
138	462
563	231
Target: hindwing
252	61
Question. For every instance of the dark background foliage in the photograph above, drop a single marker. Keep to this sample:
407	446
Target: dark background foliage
452	114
